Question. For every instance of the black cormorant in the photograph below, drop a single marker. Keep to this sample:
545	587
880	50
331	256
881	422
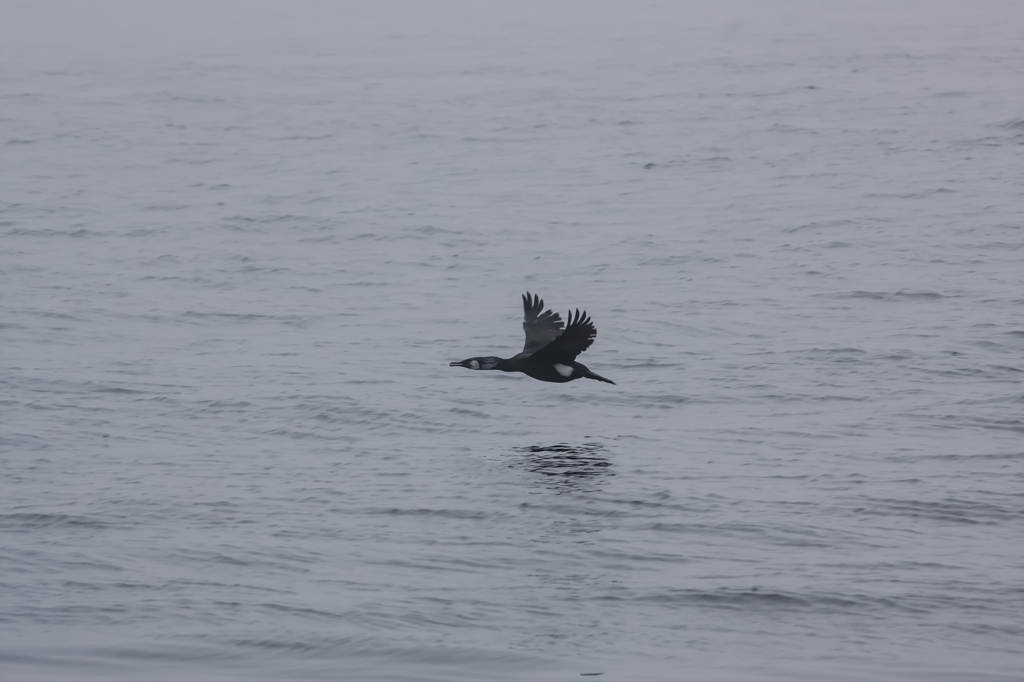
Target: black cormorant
550	353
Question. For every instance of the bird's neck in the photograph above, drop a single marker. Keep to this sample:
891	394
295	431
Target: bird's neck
505	365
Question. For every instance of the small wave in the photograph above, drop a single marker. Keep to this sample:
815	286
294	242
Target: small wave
949	510
760	599
469	413
237	317
116	389
423	511
966	458
295	138
967	421
643	401
34	521
826	224
296	434
430	230
1011	399
894	295
50	232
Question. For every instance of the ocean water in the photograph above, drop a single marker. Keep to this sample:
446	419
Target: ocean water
241	242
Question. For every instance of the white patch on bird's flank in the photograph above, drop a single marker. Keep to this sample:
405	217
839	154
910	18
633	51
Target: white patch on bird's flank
473	364
564	370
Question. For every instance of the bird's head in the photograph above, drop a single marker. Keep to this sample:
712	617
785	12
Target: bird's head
477	363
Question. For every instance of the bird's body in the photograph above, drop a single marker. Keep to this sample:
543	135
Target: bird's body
550	352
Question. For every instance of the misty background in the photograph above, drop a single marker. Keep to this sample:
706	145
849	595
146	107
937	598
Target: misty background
240	242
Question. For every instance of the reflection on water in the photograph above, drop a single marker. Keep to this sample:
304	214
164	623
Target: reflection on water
570	467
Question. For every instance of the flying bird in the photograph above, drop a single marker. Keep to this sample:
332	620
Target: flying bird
550	352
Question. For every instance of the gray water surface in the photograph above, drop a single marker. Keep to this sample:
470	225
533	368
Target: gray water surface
240	244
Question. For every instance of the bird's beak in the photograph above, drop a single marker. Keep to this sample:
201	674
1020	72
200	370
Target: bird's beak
455	364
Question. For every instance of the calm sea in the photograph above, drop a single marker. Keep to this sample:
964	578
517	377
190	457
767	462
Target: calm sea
241	242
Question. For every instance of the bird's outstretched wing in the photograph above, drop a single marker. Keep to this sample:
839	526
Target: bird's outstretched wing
578	336
541	327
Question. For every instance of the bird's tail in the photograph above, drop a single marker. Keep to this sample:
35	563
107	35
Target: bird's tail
591	375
